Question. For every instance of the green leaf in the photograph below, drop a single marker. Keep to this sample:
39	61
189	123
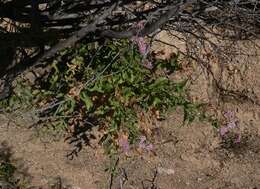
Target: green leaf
156	101
179	87
7	170
96	88
87	101
161	81
72	104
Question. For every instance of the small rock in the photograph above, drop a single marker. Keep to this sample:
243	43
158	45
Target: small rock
31	78
211	9
199	179
162	170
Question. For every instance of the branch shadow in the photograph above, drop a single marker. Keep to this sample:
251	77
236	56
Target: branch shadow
81	136
13	173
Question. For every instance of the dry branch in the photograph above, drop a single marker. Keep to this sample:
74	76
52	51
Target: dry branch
60	24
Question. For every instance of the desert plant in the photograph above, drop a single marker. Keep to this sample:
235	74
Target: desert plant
107	86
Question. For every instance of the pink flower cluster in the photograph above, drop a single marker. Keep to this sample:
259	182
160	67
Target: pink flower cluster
229	115
142	46
231	124
143	145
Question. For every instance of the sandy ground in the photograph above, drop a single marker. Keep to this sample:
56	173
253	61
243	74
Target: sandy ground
45	160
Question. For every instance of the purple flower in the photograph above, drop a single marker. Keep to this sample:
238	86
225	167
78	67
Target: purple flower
231	125
142	46
143	145
229	114
238	139
140	25
124	144
149	147
142	142
148	65
223	131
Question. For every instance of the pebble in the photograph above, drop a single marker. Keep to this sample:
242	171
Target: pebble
162	170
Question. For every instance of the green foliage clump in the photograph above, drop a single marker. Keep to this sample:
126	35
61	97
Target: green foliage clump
108	86
7	170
